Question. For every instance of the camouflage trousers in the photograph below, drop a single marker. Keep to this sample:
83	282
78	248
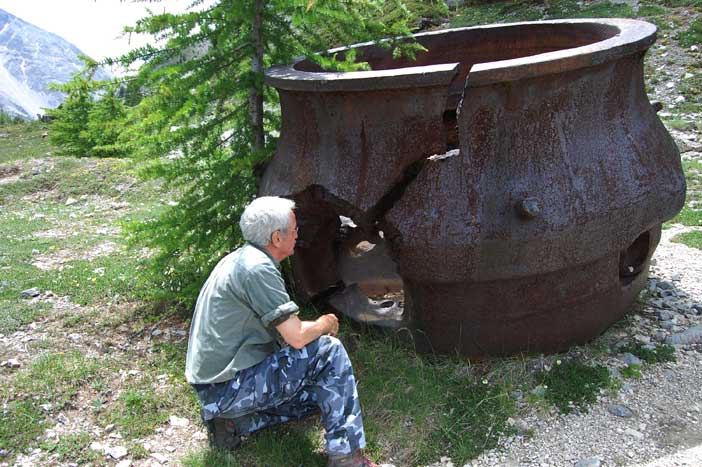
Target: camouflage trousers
289	385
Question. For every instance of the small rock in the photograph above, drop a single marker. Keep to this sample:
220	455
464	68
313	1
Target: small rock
3	452
156	332
62	419
664	315
539	391
170	448
46	407
11	363
694	48
178	421
116	452
124	463
133	372
517	395
696	308
630	359
634	433
589	462
71	201
160	458
110	428
95	446
663	285
642	339
688	76
30	293
691	336
620	410
670	85
680	99
75	337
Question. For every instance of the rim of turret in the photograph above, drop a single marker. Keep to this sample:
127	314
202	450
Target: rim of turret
629	37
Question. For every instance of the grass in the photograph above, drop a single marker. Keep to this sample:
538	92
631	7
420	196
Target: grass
692	239
54	379
692	35
23	141
661	353
574	384
73	447
691	214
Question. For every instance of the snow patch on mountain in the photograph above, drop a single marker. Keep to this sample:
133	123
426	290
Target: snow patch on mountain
30	59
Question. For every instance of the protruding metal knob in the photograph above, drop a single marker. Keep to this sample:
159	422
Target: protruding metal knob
529	208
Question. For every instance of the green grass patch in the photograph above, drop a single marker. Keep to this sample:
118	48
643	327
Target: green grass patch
631	372
21	422
661	353
138	410
573	384
73	447
16	314
55	379
691	239
692	35
691	214
23	141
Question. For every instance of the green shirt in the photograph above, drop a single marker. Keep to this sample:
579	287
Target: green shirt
234	322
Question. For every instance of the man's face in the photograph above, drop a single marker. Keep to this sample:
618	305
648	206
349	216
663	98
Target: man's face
287	246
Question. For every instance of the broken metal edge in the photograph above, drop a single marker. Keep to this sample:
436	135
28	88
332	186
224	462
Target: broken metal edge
633	36
288	78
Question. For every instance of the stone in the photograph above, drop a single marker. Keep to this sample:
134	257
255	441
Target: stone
680	99
30	293
696	309
124	463
62	419
630	359
116	452
96	446
71	201
3	452
11	363
589	462
634	433
663	285
619	410
110	428
156	332
664	315
690	336
517	395
160	458
178	421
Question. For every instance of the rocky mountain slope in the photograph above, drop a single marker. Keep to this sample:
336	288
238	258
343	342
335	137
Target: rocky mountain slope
30	59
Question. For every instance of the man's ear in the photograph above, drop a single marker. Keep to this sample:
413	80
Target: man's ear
275	238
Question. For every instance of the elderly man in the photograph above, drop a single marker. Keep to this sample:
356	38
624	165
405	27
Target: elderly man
253	362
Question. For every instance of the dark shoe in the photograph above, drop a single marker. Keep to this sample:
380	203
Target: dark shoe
222	433
355	459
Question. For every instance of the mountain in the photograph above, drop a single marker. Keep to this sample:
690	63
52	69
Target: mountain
30	59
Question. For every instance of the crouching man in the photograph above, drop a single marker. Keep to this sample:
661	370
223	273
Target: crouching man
253	362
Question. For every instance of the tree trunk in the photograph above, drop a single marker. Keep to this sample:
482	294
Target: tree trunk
256	95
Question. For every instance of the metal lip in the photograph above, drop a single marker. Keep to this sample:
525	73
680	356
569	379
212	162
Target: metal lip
632	36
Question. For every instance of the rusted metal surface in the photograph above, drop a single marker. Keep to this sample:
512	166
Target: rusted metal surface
512	181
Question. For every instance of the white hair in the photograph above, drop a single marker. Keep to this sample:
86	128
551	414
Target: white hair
264	216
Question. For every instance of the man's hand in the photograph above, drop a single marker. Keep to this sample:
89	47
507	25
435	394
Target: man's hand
330	322
300	333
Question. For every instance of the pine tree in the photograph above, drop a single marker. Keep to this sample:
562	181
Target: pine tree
68	130
205	121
